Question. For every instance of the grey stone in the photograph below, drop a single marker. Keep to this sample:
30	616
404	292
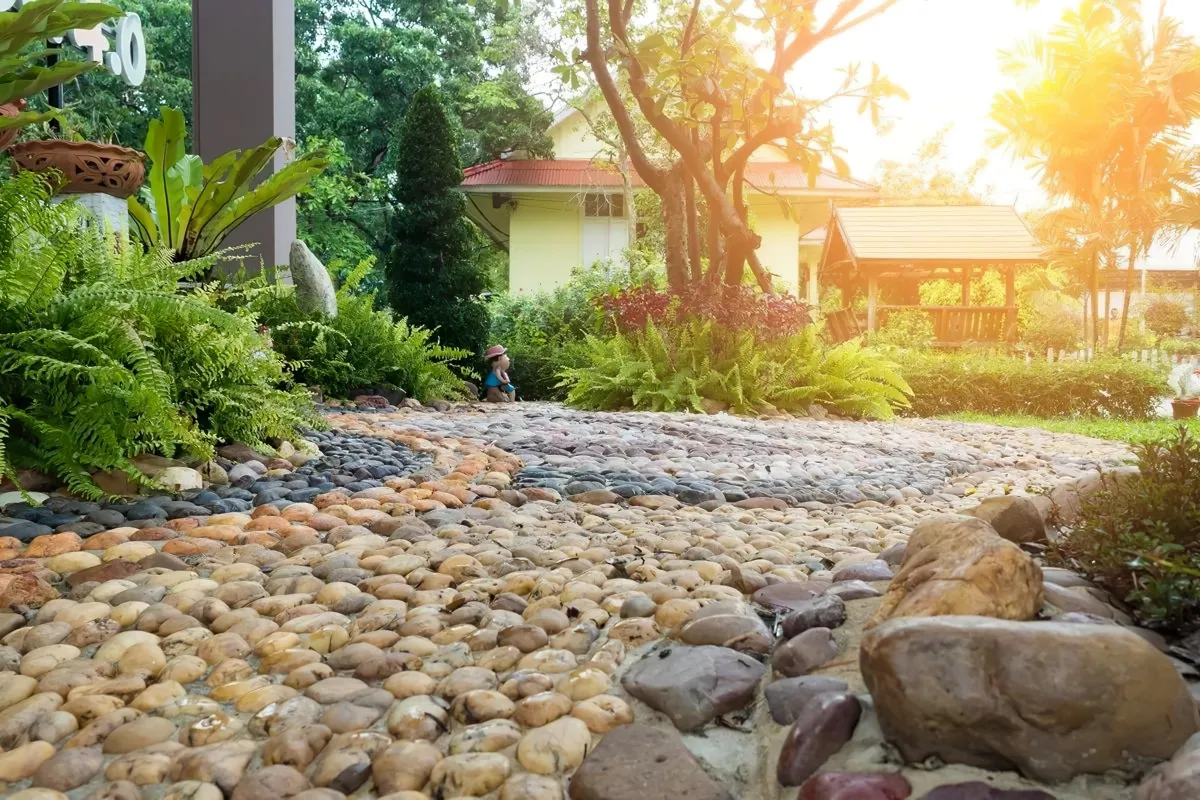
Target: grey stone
804	653
640	762
826	611
787	697
694	685
823	727
314	288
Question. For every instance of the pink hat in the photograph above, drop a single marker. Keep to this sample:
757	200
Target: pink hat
495	350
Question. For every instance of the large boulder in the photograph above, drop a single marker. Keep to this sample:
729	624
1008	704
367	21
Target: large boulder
1016	518
694	685
314	288
958	565
1050	699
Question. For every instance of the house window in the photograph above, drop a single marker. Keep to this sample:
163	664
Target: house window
604	205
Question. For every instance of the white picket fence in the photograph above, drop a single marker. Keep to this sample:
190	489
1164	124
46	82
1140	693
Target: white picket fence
1152	356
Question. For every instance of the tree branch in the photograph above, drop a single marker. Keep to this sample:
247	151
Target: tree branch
654	177
863	17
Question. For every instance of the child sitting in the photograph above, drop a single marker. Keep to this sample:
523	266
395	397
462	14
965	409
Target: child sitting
497	387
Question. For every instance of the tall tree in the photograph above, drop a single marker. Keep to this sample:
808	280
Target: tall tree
360	63
929	178
705	93
1102	109
433	279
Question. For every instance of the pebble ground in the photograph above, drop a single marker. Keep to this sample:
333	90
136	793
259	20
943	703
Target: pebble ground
423	611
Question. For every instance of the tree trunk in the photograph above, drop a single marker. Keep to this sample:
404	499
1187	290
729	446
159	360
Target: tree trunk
1125	301
1094	289
693	229
716	250
675	222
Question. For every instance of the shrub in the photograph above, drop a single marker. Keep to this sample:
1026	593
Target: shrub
1180	347
544	332
767	316
361	348
103	360
949	383
681	366
909	329
1166	317
1140	535
1047	327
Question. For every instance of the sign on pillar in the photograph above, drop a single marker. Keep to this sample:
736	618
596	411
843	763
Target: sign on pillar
126	59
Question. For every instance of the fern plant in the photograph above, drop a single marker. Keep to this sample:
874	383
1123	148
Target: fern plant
678	367
103	359
362	347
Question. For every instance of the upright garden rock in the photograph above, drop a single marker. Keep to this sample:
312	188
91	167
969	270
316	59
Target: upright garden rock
958	565
1052	700
314	289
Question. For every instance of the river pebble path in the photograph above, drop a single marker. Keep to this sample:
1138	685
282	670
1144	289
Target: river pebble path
465	603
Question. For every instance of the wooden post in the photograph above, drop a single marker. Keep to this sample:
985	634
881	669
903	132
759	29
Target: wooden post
1010	300
814	296
966	286
872	299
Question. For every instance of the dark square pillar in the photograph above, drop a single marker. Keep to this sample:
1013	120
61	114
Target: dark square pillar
244	78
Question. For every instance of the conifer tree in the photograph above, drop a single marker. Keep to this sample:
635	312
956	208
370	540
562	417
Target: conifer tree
433	276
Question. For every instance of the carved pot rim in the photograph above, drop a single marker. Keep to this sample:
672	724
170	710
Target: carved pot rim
89	167
58	145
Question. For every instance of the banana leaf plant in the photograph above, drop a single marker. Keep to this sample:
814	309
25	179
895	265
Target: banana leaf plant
22	71
192	207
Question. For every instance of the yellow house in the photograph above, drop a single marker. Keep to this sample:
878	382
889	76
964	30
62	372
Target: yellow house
553	216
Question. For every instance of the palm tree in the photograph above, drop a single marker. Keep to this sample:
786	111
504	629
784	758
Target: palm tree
1102	112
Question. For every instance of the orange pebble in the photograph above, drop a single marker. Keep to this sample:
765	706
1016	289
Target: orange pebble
446	499
10	542
191	547
360	503
103	541
220	533
268	524
264	511
427	505
330	499
183	524
9	552
324	522
299	512
53	545
265	538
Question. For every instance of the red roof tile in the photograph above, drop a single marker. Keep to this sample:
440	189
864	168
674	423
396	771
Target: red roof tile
578	173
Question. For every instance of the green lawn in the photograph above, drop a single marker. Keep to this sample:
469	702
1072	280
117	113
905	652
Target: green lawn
1131	431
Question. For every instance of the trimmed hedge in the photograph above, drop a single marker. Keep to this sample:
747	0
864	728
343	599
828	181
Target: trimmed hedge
951	383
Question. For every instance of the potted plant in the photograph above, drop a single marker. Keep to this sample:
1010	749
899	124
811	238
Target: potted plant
1183	381
87	167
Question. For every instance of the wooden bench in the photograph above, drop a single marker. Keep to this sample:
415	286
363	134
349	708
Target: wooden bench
954	326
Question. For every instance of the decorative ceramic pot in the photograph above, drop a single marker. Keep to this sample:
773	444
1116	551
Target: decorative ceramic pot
1185	408
9	135
89	167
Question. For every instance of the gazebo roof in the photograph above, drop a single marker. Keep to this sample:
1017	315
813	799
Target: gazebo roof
928	236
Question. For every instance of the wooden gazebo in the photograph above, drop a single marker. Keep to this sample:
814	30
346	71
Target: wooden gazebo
899	247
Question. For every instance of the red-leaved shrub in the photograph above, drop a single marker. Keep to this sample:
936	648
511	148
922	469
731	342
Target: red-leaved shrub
767	316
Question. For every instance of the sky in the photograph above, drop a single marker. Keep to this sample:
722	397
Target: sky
944	54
